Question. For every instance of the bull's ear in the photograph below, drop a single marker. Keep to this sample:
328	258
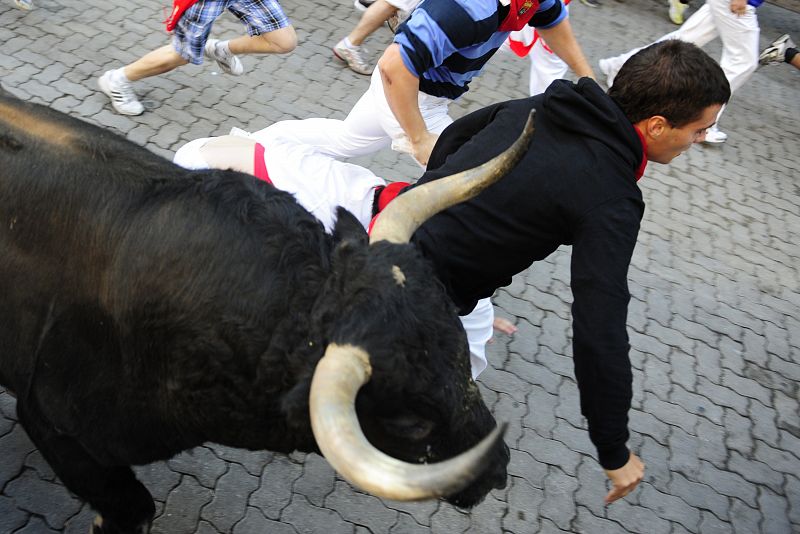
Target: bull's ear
348	228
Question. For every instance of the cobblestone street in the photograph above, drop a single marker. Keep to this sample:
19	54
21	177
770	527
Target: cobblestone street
714	319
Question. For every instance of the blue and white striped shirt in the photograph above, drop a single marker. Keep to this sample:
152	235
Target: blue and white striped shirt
445	43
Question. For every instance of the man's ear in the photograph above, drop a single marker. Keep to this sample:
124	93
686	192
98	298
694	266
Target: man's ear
348	228
656	126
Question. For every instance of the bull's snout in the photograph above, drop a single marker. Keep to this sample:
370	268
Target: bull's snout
494	477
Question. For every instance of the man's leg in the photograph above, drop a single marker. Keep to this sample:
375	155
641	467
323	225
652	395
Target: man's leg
116	84
188	41
478	326
350	48
698	29
739	35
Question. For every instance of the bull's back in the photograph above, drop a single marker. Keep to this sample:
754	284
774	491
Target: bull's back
96	228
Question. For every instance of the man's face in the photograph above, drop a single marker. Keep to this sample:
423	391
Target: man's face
671	142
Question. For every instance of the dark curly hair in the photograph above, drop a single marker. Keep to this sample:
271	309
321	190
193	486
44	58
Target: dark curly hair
671	78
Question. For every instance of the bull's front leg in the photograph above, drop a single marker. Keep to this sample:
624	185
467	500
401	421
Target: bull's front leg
124	504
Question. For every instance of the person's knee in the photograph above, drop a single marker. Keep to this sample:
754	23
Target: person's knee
281	41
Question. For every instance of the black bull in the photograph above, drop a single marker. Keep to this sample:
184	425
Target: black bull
148	309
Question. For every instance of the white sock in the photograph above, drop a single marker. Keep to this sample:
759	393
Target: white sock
348	44
118	76
223	46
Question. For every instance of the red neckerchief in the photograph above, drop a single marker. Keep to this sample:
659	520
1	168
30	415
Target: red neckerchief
520	13
178	7
385	195
640	170
260	164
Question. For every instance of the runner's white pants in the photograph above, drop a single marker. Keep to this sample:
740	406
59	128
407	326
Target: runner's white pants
320	184
369	127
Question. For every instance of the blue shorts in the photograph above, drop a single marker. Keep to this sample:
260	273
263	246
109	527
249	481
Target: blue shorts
191	32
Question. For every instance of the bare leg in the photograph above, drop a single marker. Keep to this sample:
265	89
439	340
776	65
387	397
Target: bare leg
157	62
280	41
372	19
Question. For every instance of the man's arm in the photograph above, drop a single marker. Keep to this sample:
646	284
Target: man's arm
561	40
401	87
601	253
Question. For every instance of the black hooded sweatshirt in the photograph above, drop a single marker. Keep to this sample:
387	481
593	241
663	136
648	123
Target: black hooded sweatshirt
575	186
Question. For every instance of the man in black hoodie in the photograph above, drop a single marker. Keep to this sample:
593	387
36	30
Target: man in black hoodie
575	186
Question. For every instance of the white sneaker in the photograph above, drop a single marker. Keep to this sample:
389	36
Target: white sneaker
229	63
26	5
121	94
608	71
776	52
715	136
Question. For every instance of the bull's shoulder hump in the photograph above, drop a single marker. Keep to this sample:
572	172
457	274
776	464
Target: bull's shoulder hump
20	121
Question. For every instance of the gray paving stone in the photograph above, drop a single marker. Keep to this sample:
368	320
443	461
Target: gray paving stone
774	508
306	518
158	478
361	509
450	519
229	502
743	518
36	526
638	519
588	522
255	523
669	507
16	446
11	516
201	463
726	483
524	501
700	496
406	525
182	511
46	499
549	451
317	480
700	405
559	497
777	459
711	524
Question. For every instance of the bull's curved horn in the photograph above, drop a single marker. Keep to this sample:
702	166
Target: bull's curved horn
337	379
407	212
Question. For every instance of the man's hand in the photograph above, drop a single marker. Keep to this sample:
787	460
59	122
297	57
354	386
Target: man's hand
422	148
739	7
625	479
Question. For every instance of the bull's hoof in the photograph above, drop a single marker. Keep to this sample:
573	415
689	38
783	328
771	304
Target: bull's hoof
99	526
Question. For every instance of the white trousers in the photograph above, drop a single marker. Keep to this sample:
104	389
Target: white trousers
546	67
320	184
369	127
739	35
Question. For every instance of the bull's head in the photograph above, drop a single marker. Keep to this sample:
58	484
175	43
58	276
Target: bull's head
407	391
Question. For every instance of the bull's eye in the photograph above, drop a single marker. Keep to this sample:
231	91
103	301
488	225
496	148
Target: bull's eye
408	427
399	277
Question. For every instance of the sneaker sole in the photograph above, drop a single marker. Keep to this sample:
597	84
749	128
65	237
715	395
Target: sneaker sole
101	83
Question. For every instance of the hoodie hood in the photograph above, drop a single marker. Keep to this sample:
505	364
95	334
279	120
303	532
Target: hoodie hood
584	108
